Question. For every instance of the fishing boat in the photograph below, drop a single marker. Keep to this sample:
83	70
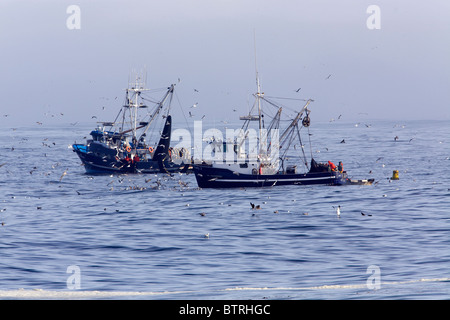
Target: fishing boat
138	140
271	165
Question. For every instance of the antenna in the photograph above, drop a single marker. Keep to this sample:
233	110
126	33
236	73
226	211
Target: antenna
258	94
256	65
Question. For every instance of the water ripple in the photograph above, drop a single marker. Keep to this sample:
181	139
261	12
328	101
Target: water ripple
130	239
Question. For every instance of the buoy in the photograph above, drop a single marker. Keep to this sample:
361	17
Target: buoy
395	175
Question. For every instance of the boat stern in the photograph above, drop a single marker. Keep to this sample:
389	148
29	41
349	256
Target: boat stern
340	178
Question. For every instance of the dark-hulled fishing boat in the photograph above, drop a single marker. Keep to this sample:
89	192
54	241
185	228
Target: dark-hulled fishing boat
267	168
121	146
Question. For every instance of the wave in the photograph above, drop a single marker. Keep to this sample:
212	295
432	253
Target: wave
96	294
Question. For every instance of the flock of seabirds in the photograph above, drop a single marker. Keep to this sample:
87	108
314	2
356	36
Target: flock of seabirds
125	182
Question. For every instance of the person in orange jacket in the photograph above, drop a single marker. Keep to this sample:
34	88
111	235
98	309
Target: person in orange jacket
332	166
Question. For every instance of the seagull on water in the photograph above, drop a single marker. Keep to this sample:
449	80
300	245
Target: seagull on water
338	211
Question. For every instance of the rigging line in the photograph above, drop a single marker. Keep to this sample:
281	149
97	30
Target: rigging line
270	102
303	149
245	132
120	111
149	100
170	101
152	99
154	130
275	122
162	89
273	125
285	139
291	139
127	103
284	106
296	99
158	109
310	146
184	115
269	114
253	107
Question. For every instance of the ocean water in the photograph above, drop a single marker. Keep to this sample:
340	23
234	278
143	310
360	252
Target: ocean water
142	236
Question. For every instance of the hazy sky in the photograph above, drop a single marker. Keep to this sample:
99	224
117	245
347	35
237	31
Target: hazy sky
399	71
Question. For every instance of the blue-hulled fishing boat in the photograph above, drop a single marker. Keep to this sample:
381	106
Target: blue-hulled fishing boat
123	146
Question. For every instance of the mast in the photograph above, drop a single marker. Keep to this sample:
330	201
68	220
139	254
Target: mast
258	98
135	104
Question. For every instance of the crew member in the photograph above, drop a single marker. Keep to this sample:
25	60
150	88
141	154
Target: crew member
332	166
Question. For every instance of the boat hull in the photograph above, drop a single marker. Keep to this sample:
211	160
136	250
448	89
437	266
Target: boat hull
96	164
210	177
